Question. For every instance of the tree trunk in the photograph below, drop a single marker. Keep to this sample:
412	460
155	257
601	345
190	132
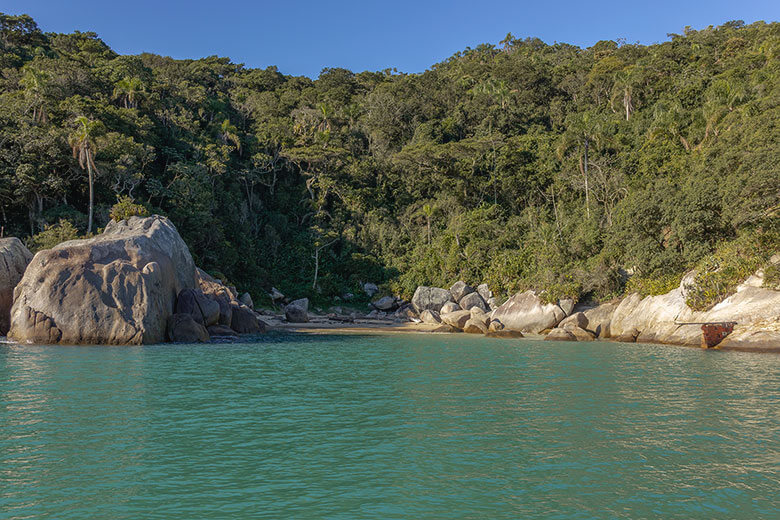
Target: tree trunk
587	187
91	194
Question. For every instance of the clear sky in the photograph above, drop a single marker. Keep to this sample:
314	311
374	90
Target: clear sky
303	36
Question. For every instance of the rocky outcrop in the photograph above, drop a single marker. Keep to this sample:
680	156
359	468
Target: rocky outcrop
431	298
660	319
14	258
119	287
526	312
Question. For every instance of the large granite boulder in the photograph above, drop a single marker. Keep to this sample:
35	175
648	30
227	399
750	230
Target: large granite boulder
246	299
245	321
460	289
296	312
474	326
203	309
182	328
430	317
117	288
449	307
473	301
385	303
431	298
526	312
456	319
14	258
578	319
599	319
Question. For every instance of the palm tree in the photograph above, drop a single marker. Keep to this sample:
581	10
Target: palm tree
624	87
34	83
585	129
82	142
128	90
229	134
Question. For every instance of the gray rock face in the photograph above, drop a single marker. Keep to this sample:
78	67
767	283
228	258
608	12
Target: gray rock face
117	288
484	291
276	294
183	329
566	305
559	334
203	309
526	312
246	299
431	317
296	314
456	319
370	289
473	300
245	321
302	303
658	318
449	307
221	331
460	289
225	311
14	258
431	298
474	326
385	303
578	319
600	318
495	326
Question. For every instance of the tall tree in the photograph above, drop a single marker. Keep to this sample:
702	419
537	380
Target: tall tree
82	142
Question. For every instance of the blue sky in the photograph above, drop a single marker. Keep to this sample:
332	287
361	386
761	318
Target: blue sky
301	37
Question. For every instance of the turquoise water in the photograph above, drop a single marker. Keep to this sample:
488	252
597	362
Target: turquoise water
403	426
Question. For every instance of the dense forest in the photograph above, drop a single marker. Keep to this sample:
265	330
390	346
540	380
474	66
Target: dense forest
580	172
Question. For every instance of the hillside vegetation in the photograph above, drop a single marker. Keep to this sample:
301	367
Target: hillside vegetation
524	165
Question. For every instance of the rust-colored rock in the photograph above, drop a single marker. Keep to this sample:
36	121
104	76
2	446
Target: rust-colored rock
713	333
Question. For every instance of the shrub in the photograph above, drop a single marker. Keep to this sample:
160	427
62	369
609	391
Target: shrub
653	285
52	235
126	208
718	275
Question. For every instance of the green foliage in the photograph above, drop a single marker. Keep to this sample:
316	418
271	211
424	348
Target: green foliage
772	277
126	208
52	235
529	166
653	285
718	275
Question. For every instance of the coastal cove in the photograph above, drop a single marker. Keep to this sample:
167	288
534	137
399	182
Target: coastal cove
387	426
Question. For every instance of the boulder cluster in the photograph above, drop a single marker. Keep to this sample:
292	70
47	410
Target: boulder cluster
461	308
135	283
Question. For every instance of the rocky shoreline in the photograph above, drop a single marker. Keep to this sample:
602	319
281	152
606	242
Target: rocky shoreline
136	283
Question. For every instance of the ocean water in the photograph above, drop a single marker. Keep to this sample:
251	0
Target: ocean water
388	426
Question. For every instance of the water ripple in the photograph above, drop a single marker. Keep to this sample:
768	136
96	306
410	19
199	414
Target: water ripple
388	427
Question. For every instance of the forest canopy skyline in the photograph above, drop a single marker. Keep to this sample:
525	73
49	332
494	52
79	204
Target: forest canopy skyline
303	38
575	172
